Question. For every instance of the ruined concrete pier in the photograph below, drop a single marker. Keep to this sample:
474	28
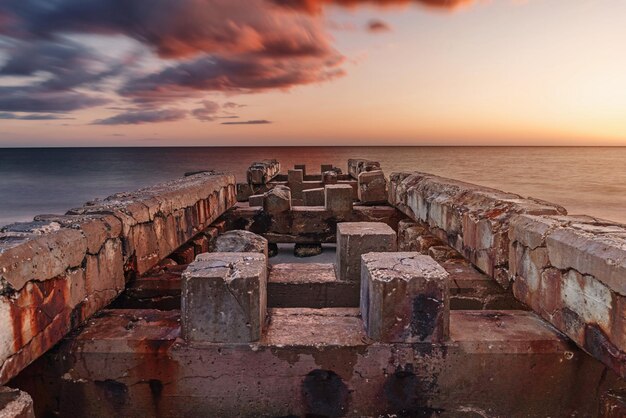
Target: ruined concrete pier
429	297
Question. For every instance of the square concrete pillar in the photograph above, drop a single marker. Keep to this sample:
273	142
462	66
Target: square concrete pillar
372	187
338	198
404	298
330	177
277	200
256	200
313	197
295	177
224	298
300	167
357	238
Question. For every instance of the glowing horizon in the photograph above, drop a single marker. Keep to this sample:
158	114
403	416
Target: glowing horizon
482	73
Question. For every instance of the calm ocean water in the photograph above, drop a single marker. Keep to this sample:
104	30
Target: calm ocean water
584	180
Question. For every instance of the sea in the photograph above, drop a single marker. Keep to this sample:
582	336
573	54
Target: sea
585	180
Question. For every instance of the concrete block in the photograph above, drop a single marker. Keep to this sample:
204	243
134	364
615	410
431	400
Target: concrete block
224	298
330	177
338	198
295	177
372	187
326	167
313	197
357	166
262	172
240	242
309	285
404	298
357	238
256	200
301	167
277	200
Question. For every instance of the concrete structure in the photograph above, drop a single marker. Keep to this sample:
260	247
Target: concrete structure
572	271
256	200
404	298
372	187
357	166
262	172
310	285
70	266
277	200
313	197
338	198
312	354
15	404
240	242
357	238
224	298
329	177
472	219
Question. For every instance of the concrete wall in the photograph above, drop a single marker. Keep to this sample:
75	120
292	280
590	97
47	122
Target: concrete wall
572	271
569	269
57	271
472	219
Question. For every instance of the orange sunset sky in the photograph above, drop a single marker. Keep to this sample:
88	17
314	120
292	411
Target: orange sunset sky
306	72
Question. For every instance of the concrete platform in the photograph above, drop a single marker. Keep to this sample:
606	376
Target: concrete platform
310	285
132	363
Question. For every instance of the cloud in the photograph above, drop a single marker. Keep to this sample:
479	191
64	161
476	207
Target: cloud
232	105
13	116
178	28
249	122
36	99
316	6
207	112
377	26
142	117
240	75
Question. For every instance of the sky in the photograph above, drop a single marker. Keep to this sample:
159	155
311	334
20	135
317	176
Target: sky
312	72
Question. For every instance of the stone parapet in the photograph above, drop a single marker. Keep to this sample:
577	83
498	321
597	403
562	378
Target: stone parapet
572	271
57	271
472	219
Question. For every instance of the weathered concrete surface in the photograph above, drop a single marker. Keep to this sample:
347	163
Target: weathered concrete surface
305	224
357	166
338	198
59	270
613	404
262	172
310	285
472	290
572	271
404	298
224	298
15	403
313	197
256	200
472	219
277	200
330	177
357	238
245	191
240	242
372	187
496	364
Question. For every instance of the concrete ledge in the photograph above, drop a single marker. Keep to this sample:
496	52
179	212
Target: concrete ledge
472	219
304	224
59	270
572	271
310	285
125	363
